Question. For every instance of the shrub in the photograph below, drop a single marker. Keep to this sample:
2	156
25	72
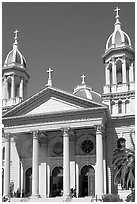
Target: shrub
111	198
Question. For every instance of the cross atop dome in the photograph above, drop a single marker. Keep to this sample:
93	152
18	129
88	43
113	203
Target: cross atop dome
83	79
49	79
117	10
15	37
16	33
117	23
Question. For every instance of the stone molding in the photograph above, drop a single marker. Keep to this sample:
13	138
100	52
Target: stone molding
7	137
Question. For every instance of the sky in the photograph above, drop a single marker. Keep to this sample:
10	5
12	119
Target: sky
69	37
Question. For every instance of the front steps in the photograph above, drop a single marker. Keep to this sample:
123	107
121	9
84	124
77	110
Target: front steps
56	199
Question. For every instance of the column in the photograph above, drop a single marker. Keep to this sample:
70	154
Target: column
35	166
131	73
6	89
77	181
131	77
43	180
114	72
7	165
21	88
99	180
66	165
124	70
48	181
21	172
13	87
107	75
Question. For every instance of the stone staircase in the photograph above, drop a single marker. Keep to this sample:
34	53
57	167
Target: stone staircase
56	199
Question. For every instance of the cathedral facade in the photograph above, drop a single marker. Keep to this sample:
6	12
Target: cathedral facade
54	141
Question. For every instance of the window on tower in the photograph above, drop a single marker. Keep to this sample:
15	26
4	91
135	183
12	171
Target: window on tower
110	73
120	107
126	106
17	90
112	107
127	72
9	88
119	71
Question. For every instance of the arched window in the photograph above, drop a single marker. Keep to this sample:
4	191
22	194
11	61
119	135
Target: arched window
127	106
120	107
127	72
3	153
110	73
119	71
112	107
9	88
17	90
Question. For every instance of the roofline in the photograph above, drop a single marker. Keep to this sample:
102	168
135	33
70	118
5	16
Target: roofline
67	113
53	89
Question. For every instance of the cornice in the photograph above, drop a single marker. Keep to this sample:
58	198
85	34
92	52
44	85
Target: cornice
21	69
54	117
122	117
116	49
118	95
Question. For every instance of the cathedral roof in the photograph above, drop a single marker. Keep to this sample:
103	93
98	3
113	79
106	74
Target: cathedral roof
14	57
85	91
118	38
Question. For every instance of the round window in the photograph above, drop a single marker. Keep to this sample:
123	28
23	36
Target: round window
58	148
87	146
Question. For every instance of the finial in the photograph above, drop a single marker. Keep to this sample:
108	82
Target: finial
117	10
15	37
49	79
117	23
83	79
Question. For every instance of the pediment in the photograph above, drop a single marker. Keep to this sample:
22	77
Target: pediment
53	105
51	100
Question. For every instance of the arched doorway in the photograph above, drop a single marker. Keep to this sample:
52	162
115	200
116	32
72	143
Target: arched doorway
57	182
28	186
87	181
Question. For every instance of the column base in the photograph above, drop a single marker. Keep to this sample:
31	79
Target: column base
35	196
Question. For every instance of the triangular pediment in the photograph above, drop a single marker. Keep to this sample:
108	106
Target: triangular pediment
51	100
53	105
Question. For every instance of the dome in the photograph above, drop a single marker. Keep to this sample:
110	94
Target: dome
14	57
118	38
86	92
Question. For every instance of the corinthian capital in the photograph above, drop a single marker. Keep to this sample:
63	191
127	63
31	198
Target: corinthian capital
65	131
99	129
7	137
36	134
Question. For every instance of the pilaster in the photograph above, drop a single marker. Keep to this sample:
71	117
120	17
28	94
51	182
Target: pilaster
7	166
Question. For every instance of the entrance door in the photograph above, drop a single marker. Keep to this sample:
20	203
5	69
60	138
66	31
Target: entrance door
57	182
28	186
87	181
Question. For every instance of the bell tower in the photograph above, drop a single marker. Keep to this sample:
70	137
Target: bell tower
14	77
119	61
